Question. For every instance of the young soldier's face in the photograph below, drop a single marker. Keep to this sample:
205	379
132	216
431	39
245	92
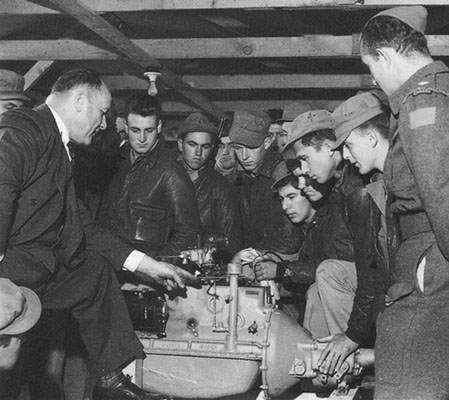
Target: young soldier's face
318	163
142	132
250	158
225	154
196	148
358	149
295	205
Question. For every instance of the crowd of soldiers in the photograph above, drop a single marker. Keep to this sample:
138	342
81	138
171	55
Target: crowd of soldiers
344	210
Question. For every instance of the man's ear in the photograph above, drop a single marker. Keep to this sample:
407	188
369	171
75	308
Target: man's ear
268	141
180	144
328	145
386	55
373	138
125	123
80	99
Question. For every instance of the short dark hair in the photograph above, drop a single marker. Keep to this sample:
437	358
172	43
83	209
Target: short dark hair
317	138
77	77
386	31
380	123
143	105
288	180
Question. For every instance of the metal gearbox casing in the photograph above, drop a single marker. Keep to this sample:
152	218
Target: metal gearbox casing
198	360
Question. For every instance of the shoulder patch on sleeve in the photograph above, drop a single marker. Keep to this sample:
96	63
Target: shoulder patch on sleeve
422	117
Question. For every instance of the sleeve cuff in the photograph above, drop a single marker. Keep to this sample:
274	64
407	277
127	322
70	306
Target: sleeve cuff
133	260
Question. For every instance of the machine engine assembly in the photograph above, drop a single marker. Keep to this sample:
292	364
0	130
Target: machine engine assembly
220	339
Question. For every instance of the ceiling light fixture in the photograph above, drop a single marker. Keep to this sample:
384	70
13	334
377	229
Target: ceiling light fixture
152	77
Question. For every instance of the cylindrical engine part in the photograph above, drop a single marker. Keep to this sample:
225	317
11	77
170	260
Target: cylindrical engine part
365	357
234	270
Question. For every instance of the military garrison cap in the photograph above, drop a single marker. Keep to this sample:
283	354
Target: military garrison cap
414	16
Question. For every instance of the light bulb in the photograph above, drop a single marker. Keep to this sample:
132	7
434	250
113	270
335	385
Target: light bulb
152	76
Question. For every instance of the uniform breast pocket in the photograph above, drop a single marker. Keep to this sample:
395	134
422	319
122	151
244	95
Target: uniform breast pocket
152	225
400	176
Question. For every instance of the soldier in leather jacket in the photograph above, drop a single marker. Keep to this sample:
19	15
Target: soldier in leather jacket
150	202
265	226
361	127
312	139
412	350
325	237
217	205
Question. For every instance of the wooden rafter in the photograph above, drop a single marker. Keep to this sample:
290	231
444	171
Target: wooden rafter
312	46
100	6
133	52
174	107
268	81
36	72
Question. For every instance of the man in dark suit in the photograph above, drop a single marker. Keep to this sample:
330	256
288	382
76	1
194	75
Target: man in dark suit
47	241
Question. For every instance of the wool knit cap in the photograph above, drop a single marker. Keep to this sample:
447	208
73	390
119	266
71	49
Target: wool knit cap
280	172
197	122
250	128
12	86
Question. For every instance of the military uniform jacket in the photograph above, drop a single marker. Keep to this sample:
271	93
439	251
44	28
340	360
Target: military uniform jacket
43	225
416	171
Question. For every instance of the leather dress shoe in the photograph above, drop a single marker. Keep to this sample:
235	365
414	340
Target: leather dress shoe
125	390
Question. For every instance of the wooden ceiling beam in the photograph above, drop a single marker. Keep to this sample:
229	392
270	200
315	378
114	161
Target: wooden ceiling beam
242	82
177	108
310	46
10	7
36	72
130	50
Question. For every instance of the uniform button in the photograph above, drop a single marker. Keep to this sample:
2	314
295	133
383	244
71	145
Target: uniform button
33	202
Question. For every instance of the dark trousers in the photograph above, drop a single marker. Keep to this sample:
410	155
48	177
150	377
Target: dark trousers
412	346
92	293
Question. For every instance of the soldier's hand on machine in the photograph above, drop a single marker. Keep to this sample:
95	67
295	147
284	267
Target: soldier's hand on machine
165	274
246	256
338	348
256	264
265	270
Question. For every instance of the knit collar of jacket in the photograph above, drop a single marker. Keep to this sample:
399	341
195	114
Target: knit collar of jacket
348	179
203	172
152	157
271	159
397	98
